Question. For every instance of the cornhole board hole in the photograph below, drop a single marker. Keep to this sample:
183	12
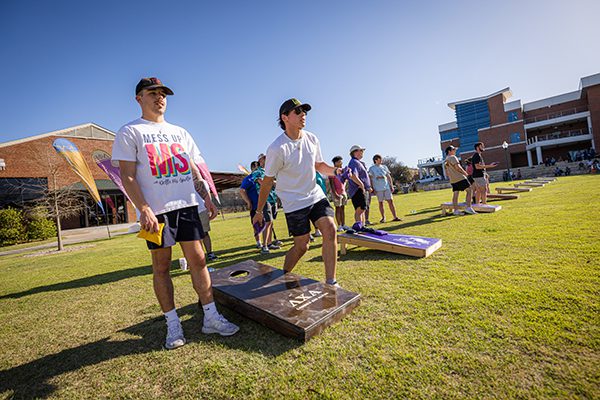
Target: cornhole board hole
289	304
415	246
532	185
480	208
491	196
501	190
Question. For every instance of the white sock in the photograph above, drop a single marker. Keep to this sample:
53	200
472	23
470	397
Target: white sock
171	316
210	310
258	243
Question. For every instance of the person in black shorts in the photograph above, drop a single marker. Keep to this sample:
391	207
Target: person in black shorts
458	180
159	173
293	159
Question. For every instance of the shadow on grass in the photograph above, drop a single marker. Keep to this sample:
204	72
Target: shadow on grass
85	282
32	380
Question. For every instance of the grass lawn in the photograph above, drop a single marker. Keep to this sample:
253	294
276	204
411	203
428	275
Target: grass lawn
509	307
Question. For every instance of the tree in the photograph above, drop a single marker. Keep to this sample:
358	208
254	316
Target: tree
401	174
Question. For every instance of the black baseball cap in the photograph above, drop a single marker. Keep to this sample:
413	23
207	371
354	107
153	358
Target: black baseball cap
450	148
151	83
290	104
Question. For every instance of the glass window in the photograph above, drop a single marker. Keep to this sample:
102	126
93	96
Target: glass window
515	137
513	116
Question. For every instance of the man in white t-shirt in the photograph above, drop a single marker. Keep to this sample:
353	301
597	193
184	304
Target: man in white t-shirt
293	159
381	179
157	163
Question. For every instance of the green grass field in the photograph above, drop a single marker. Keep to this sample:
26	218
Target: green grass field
509	307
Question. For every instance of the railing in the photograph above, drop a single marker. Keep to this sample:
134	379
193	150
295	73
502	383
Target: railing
555	114
557	135
430	160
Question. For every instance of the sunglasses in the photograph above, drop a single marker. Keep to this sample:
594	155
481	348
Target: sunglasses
299	110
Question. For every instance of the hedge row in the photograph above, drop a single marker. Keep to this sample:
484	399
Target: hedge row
15	227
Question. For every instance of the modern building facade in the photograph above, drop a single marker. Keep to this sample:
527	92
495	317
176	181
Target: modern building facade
31	163
556	127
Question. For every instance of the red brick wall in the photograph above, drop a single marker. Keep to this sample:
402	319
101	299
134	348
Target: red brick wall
496	108
35	159
495	136
593	98
580	104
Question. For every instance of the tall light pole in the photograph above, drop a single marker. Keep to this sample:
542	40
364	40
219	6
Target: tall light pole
505	147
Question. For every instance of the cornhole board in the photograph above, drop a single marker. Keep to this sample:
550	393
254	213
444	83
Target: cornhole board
480	208
415	246
289	304
535	182
530	184
512	189
542	180
491	196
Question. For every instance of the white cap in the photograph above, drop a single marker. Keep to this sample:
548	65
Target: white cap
356	147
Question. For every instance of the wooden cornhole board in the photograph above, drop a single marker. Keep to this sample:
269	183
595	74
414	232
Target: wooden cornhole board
512	189
530	184
289	304
491	196
480	208
542	180
415	246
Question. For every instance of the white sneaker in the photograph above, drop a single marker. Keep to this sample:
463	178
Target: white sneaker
219	325
346	227
175	336
457	212
469	210
340	229
317	234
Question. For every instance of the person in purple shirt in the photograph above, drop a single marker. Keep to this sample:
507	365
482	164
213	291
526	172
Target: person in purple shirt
359	184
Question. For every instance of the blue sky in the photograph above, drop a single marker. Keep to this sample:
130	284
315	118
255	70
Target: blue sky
377	73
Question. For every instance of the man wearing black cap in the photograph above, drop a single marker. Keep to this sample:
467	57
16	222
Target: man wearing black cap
159	173
293	159
458	180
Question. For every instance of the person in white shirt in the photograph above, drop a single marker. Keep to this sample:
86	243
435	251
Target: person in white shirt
157	163
293	159
381	179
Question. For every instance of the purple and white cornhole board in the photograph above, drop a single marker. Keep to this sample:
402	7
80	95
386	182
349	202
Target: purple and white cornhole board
415	246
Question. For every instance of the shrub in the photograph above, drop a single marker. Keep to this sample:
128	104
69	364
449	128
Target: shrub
40	228
12	228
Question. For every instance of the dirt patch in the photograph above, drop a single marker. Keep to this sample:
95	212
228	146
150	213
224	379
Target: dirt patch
55	251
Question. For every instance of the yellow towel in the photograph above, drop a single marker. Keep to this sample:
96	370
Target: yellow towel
155	237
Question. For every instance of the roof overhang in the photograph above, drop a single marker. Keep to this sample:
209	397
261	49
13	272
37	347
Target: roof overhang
506	94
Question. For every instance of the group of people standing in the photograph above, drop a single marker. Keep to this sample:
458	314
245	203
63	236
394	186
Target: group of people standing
473	180
158	166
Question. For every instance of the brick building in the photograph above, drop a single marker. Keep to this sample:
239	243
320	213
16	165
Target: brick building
31	162
556	127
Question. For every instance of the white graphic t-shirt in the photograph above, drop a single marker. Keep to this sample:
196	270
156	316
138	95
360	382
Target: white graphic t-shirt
292	163
162	153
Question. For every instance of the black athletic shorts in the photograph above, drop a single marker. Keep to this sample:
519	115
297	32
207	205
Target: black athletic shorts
181	225
359	200
298	221
461	185
267	213
471	180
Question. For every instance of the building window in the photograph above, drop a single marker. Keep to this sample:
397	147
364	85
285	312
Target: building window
513	116
515	137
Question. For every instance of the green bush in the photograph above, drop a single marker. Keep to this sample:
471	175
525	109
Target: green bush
12	227
40	228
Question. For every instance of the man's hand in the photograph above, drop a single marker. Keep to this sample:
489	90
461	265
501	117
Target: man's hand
211	208
148	220
258	219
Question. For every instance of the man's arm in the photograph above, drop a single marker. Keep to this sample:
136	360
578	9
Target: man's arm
265	188
245	197
390	181
326	169
148	220
201	188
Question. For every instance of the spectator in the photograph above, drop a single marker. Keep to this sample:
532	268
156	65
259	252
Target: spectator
339	196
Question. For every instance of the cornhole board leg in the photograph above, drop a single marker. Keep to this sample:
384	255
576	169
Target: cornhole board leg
415	246
289	304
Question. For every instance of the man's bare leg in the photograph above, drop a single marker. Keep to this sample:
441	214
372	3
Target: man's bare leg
455	200
161	278
381	210
300	247
392	208
329	248
197	264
